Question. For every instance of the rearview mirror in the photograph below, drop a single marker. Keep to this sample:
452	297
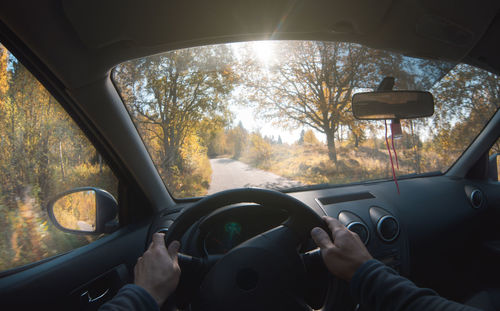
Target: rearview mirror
84	211
382	105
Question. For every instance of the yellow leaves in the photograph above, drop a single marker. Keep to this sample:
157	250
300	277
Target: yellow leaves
4	76
260	151
326	91
24	224
77	211
37	137
310	139
193	177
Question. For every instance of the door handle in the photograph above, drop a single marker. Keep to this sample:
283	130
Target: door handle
87	298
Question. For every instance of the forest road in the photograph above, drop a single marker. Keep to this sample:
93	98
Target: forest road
229	173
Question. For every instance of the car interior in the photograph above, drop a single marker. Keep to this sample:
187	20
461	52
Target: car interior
440	230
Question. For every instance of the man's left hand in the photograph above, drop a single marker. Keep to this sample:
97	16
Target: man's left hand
158	271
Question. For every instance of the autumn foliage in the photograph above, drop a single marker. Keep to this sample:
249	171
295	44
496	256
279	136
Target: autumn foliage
43	153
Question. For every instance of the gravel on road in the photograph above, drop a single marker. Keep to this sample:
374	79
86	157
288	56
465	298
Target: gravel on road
229	173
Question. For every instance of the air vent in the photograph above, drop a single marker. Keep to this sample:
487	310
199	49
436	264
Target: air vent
355	224
386	224
475	195
476	198
388	228
361	230
345	198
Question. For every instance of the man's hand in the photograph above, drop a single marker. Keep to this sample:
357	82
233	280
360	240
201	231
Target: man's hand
345	254
158	271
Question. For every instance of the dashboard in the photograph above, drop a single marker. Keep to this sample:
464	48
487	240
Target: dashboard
416	232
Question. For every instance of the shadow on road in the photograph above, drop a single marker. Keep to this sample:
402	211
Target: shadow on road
224	160
277	185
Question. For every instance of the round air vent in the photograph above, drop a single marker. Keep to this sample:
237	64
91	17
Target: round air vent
476	198
361	230
388	228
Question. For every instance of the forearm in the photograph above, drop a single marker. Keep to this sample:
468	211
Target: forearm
131	297
380	288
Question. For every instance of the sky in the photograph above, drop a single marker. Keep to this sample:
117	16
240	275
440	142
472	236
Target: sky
266	53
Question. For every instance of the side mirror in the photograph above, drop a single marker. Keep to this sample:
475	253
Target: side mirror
85	210
493	166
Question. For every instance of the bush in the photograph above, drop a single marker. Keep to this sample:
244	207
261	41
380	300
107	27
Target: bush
260	151
192	177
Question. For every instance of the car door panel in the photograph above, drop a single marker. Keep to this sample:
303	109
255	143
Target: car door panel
60	282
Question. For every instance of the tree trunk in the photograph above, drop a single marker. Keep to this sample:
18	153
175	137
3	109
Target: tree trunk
100	164
43	169
332	151
417	149
61	159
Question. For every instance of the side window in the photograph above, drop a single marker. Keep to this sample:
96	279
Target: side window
42	153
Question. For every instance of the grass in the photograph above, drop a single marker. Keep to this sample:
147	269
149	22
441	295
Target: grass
310	164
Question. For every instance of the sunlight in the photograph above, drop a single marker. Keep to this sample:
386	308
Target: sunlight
264	50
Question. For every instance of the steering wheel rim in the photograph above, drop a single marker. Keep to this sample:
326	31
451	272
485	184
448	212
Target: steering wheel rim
273	244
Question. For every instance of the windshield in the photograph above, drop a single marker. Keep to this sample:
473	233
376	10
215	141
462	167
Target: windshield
277	114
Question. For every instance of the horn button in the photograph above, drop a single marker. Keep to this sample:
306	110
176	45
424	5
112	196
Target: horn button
255	273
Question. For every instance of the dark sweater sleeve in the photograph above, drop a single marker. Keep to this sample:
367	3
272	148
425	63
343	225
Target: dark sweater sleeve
131	297
378	287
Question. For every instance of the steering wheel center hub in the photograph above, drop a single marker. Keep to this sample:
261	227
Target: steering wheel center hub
249	276
247	279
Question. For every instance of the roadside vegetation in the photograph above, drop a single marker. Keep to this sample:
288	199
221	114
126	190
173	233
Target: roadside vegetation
42	154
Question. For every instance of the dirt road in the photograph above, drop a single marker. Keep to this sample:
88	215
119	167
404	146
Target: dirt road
229	173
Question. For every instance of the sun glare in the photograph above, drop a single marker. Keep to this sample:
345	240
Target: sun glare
264	50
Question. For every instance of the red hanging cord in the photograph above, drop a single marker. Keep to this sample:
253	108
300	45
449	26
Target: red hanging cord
390	157
394	149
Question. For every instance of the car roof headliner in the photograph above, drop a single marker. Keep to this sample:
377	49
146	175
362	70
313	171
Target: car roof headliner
81	40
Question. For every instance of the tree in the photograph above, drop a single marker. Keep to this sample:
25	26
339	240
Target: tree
211	133
237	140
169	96
465	100
36	137
310	139
313	87
301	137
260	151
279	142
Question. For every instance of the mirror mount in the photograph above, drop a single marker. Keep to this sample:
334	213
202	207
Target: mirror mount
387	84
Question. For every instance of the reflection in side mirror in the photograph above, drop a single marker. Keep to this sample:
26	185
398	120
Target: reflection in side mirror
382	105
84	211
76	211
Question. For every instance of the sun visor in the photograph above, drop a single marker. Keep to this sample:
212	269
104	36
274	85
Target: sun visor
152	22
443	30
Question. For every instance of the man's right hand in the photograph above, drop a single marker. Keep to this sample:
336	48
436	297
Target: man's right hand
345	254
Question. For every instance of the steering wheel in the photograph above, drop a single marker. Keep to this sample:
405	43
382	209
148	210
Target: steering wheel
264	273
